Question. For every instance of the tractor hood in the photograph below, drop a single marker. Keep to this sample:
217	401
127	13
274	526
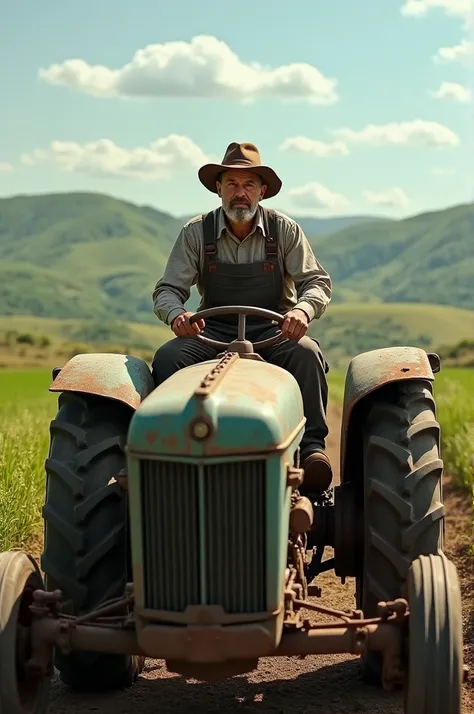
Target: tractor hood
219	408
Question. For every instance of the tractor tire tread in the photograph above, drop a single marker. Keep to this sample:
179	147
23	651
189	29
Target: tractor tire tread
85	552
403	497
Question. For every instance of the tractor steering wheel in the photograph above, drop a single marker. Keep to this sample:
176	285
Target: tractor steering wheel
241	311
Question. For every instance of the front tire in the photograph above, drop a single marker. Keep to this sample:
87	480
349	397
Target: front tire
85	527
435	640
402	501
21	690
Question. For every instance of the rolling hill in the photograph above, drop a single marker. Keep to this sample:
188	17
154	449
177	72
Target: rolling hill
325	226
428	258
99	256
90	256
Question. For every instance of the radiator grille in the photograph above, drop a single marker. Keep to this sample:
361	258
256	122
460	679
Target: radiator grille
203	531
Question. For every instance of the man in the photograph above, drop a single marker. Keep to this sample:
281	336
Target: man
242	254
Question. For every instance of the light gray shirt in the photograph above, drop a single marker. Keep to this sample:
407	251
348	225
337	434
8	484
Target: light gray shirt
307	286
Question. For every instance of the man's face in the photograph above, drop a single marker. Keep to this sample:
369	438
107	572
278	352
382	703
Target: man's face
240	192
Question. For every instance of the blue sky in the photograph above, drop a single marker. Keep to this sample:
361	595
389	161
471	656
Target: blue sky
340	97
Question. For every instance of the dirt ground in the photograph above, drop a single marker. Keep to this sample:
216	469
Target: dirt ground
316	685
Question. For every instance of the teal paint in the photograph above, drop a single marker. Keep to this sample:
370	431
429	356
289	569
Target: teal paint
256	410
255	407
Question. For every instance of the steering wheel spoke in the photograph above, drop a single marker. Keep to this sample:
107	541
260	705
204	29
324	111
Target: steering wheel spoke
241	327
241	344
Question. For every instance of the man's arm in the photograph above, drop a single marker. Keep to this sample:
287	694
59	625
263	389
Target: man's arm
312	282
181	273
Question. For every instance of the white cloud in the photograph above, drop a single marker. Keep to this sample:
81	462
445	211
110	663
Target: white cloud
462	52
453	8
204	67
105	158
315	196
453	90
5	167
313	147
394	197
417	133
443	171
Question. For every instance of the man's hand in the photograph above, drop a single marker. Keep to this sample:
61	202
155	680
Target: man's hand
182	328
295	324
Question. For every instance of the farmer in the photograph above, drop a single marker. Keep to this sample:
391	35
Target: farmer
244	254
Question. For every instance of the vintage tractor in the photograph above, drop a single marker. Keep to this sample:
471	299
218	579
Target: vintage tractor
178	527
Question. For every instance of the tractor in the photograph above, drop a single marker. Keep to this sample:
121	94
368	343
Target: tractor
177	527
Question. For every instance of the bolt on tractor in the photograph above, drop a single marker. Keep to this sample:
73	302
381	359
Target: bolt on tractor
177	526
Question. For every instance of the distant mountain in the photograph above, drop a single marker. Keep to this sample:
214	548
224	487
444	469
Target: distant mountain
327	226
84	255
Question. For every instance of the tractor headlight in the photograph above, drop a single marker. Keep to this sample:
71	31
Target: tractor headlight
200	429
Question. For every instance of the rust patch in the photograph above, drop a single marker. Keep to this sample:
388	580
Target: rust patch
267	396
212	449
170	442
151	437
215	376
120	377
371	370
257	392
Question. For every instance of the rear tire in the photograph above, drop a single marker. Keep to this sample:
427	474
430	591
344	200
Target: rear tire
86	552
402	502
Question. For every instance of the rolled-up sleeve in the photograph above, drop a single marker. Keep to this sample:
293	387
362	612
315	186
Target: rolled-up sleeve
312	282
181	273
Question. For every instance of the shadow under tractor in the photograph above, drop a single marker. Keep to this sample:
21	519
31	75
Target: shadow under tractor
177	526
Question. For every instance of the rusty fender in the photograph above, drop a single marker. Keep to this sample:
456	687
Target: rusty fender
211	644
371	370
123	378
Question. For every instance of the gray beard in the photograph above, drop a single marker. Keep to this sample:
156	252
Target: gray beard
239	214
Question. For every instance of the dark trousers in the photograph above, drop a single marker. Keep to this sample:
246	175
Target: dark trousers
303	359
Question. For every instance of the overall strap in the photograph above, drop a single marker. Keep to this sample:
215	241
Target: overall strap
271	229
210	233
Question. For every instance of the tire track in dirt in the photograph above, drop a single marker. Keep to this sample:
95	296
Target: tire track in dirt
315	685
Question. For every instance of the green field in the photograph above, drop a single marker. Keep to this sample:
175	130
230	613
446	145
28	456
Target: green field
25	411
442	324
344	331
133	334
26	407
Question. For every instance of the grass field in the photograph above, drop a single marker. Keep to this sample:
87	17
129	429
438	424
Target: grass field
57	330
26	407
345	330
25	410
443	323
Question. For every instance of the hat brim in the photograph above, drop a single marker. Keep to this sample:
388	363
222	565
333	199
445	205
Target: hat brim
209	173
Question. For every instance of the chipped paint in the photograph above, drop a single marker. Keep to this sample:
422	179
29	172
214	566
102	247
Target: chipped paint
151	437
123	378
371	370
253	407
